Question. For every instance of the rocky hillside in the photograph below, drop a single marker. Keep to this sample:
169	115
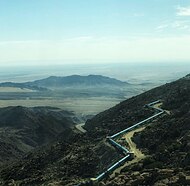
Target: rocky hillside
166	144
130	111
23	129
71	158
74	156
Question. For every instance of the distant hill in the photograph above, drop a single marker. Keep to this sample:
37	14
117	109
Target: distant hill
77	80
67	81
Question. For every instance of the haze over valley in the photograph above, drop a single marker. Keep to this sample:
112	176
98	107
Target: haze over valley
87	97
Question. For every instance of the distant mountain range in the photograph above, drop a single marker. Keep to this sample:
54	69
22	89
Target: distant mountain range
67	81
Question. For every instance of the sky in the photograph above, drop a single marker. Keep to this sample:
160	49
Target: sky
34	32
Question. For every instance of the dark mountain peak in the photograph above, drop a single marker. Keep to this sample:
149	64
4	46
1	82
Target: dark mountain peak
77	80
52	77
97	76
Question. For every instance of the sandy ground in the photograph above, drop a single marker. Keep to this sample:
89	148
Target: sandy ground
133	148
86	106
138	155
159	105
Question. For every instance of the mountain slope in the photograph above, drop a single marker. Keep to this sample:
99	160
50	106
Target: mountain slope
65	161
166	142
80	156
23	129
131	110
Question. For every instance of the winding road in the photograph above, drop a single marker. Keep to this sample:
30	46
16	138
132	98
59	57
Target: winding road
80	127
132	146
138	155
128	134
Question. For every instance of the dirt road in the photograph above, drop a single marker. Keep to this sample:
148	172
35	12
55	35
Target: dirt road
138	155
80	127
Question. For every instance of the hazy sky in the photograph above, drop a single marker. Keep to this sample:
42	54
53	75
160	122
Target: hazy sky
63	31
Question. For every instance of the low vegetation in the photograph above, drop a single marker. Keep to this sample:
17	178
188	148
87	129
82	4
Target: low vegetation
73	157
